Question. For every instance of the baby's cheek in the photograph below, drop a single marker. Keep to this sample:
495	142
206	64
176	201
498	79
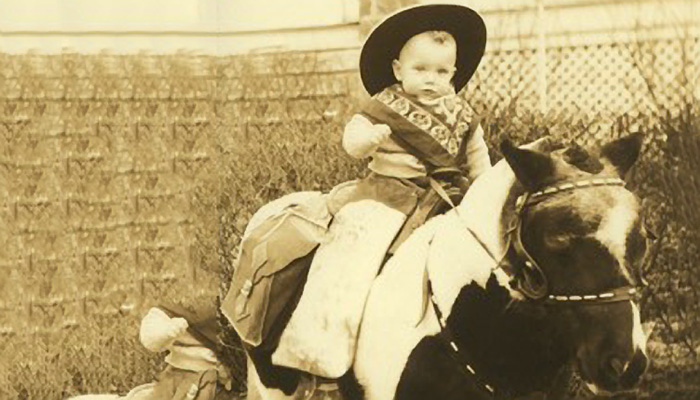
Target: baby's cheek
446	88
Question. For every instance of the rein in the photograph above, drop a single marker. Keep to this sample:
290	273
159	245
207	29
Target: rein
531	280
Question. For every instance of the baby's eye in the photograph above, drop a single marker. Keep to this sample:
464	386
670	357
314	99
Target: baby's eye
443	72
419	68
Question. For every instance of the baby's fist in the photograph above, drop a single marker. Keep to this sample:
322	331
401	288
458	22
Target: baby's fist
382	133
178	326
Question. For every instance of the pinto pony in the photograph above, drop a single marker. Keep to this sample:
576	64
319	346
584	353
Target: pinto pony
530	275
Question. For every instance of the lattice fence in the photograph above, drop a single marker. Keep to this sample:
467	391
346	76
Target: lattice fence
598	81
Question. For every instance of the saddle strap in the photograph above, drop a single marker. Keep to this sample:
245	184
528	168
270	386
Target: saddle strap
424	211
427	202
437	187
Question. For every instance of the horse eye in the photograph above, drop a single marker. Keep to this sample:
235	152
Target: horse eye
558	242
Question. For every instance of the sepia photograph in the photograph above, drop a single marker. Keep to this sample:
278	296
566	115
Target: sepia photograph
349	199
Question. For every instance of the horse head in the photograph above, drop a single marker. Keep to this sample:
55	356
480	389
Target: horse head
575	239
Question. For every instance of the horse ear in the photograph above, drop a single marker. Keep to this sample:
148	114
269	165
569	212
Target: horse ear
532	168
622	153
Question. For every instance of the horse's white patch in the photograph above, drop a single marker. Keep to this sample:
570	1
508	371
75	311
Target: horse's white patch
457	257
616	225
392	325
455	260
639	338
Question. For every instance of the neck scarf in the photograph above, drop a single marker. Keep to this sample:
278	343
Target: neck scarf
431	130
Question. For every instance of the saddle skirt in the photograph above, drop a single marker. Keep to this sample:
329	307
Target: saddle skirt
321	336
264	281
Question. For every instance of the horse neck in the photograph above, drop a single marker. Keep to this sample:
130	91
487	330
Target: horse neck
485	202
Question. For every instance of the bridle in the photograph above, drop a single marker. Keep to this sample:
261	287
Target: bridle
527	278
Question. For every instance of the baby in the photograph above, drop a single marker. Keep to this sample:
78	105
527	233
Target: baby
424	70
413	64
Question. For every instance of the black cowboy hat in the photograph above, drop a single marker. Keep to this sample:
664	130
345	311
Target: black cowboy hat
386	40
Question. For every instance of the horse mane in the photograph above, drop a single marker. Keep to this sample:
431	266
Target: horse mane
582	159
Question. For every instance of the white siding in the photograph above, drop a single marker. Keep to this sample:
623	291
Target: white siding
241	26
167	26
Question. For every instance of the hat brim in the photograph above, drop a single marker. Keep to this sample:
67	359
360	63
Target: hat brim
384	43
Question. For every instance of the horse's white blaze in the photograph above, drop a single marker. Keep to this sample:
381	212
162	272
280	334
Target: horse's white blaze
616	225
639	338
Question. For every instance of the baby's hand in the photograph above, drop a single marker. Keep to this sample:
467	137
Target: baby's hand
381	134
177	327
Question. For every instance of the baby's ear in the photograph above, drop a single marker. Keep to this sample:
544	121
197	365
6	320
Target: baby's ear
396	67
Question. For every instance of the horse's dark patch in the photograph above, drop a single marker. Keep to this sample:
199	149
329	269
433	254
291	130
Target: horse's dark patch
623	152
637	366
560	220
635	250
635	245
532	168
273	376
483	323
431	373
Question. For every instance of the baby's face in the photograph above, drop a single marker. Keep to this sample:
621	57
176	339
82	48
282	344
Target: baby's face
425	67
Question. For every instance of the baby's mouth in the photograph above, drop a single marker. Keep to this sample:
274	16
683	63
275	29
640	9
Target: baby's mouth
430	93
